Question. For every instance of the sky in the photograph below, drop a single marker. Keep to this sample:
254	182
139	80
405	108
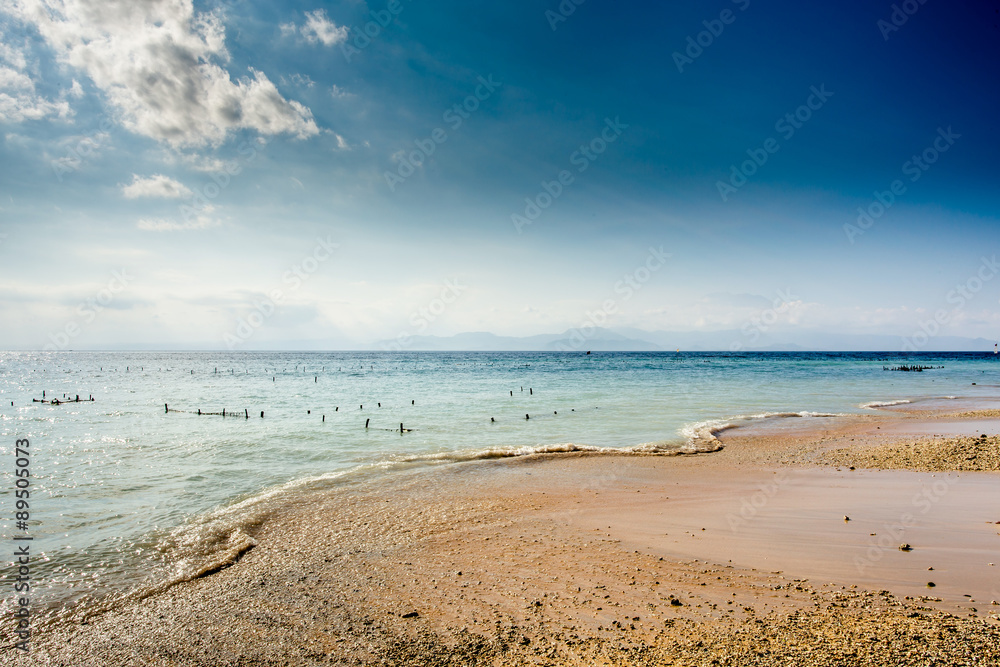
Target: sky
240	174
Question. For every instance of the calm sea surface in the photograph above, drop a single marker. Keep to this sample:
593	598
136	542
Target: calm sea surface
124	494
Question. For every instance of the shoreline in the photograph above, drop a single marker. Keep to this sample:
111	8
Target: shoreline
577	559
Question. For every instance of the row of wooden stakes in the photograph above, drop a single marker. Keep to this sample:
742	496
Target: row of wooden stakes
246	415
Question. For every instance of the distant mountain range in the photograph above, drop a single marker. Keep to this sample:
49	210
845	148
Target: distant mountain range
633	340
601	340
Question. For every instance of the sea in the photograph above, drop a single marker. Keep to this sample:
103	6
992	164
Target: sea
135	490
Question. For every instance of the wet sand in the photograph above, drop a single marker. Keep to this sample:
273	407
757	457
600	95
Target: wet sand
770	551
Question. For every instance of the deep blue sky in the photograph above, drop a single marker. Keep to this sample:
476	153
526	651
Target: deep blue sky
182	90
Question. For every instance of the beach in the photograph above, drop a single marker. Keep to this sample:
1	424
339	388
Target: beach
486	334
849	540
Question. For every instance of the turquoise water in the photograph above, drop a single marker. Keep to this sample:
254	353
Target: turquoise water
125	494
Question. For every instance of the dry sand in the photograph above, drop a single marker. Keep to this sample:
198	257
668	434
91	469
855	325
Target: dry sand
741	557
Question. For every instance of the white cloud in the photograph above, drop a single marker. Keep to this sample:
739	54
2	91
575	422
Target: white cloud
14	57
19	100
196	162
160	64
319	28
29	106
297	79
339	92
158	186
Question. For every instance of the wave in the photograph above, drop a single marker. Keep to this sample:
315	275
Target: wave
661	447
702	436
883	404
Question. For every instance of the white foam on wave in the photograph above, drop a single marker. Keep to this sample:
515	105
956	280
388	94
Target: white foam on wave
883	404
494	453
702	436
531	450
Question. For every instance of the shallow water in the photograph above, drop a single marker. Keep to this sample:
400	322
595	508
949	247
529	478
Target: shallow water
125	494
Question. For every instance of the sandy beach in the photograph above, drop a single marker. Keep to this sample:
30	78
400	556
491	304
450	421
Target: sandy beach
864	540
